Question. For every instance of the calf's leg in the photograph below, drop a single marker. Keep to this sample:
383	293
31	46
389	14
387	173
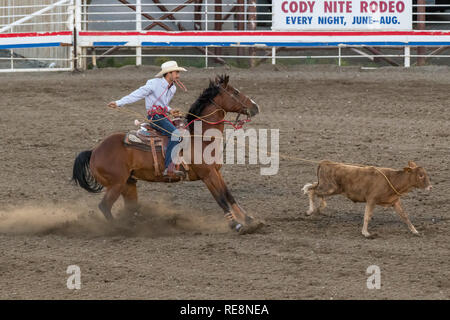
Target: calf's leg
404	216
323	191
309	190
323	204
367	216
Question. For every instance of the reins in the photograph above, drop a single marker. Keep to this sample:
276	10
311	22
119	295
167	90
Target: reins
236	125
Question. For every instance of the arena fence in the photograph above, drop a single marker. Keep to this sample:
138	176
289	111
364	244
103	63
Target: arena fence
36	35
60	35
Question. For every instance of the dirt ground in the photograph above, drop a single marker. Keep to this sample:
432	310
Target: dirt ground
184	249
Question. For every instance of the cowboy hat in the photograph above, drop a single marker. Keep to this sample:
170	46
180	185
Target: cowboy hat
169	66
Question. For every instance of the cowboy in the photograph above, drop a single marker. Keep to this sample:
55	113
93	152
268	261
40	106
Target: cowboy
158	93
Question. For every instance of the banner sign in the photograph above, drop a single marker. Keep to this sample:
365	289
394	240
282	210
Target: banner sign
342	15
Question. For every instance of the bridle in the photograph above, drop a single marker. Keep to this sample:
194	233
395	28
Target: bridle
237	123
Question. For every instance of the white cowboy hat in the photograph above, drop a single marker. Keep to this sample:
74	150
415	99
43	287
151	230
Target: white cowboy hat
169	66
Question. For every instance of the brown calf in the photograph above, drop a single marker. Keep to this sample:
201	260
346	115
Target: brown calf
374	186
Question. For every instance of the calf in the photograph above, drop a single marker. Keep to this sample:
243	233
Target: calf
374	186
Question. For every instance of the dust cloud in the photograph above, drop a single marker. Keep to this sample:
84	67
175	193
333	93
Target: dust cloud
81	219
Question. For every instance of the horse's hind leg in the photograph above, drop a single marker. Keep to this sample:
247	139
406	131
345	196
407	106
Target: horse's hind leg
130	196
112	193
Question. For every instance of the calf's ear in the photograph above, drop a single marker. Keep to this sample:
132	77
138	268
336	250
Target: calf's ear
407	169
412	164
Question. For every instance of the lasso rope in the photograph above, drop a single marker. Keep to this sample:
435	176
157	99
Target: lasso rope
389	182
237	127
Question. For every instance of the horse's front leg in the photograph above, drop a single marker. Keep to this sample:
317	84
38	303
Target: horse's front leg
240	213
245	223
214	182
250	223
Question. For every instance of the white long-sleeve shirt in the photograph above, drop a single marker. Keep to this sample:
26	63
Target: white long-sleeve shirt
156	93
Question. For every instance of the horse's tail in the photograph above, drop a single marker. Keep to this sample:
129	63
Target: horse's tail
82	173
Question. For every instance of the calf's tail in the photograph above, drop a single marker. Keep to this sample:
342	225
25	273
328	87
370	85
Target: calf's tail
307	187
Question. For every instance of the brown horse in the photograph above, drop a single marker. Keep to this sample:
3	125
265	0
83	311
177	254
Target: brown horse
117	168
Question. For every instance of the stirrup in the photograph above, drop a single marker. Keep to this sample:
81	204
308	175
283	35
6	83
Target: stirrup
177	173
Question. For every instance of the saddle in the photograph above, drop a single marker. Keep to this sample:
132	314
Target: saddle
151	140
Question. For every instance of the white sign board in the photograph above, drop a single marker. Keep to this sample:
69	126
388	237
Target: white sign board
342	15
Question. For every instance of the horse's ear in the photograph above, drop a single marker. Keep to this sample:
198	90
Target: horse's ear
217	80
225	79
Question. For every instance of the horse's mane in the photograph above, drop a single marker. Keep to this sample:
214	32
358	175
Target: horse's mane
205	99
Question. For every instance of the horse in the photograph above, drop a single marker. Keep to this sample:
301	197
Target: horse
116	167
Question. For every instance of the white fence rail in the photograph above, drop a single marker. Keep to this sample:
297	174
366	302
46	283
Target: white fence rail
36	35
64	34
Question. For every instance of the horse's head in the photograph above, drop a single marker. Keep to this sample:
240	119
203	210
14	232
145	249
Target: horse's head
231	99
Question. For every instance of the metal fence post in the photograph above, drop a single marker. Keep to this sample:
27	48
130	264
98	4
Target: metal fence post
71	24
206	15
139	29
206	29
407	56
251	22
80	61
421	17
339	55
274	53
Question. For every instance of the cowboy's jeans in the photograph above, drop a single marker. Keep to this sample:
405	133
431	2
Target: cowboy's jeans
163	125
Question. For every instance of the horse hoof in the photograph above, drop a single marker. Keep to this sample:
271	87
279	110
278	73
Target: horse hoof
251	228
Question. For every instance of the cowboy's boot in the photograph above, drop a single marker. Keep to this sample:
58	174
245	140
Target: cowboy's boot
171	171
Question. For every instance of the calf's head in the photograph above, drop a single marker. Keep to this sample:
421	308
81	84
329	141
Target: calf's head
418	176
